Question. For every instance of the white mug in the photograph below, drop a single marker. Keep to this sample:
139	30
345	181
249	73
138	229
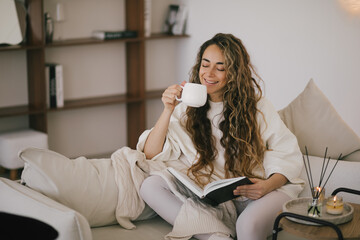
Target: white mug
193	95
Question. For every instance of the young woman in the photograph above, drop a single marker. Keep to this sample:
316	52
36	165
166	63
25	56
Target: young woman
236	133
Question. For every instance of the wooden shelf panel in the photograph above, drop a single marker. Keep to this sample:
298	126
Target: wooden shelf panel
19	110
154	94
96	101
4	47
106	100
165	36
80	103
86	41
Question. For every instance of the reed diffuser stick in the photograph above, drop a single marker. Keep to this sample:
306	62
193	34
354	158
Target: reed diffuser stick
308	176
308	162
332	170
322	168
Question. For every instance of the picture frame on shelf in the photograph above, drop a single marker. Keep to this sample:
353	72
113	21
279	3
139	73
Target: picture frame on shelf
175	21
171	18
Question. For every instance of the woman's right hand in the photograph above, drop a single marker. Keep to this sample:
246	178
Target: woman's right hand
155	141
169	96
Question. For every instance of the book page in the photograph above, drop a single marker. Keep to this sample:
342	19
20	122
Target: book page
187	182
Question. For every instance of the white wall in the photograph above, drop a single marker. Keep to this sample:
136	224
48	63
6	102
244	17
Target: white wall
289	41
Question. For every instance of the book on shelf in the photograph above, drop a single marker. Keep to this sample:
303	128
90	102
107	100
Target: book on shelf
147	18
215	192
54	85
175	22
108	35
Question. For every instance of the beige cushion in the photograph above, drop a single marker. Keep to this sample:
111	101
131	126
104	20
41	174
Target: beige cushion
87	186
20	200
317	125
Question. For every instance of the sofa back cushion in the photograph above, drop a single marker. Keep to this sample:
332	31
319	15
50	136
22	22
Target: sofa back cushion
317	125
20	200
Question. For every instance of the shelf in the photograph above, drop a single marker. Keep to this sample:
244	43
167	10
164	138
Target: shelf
105	100
87	41
18	110
95	101
154	94
134	100
4	47
165	36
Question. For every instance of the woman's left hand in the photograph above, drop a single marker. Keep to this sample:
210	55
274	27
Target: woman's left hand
260	187
253	191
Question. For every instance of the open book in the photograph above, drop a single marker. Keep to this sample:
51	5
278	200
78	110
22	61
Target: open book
215	192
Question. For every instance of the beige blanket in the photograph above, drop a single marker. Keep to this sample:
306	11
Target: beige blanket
131	168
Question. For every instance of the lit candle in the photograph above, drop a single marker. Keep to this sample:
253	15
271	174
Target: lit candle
335	205
319	193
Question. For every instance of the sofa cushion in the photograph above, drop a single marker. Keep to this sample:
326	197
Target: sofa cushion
317	125
21	200
345	174
87	186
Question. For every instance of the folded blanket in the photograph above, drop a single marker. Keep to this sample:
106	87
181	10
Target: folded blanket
129	177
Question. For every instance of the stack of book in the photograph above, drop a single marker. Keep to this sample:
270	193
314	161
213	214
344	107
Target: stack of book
108	35
54	85
147	18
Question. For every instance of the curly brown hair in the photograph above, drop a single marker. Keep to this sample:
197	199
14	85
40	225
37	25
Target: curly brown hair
244	147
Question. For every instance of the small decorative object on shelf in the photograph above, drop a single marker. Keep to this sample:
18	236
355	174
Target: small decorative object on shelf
49	28
335	205
175	23
318	193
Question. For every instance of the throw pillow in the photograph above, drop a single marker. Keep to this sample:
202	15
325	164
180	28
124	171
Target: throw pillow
317	125
20	200
87	186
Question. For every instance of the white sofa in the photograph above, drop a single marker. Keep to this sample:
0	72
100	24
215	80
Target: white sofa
77	211
21	200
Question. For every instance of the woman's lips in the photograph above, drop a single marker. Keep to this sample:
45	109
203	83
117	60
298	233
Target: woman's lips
210	82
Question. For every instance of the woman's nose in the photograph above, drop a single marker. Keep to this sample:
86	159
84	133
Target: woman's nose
211	71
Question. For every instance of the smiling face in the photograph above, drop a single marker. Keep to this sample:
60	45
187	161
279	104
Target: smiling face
212	72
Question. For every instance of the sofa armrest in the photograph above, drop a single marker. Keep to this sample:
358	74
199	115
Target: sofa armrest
20	200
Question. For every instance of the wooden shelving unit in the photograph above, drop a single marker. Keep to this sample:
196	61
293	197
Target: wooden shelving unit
135	96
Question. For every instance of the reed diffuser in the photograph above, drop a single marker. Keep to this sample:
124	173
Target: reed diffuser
318	192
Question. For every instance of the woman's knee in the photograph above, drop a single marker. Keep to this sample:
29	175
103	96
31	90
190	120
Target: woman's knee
149	185
246	226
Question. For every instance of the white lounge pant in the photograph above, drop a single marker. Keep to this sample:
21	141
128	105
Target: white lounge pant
255	217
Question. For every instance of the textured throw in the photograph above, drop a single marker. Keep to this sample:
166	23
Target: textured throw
131	168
